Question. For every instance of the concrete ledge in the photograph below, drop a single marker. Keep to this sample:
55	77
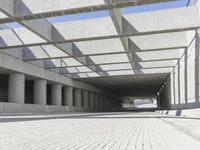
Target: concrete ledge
34	108
187	113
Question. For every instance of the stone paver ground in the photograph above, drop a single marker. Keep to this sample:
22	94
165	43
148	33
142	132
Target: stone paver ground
122	131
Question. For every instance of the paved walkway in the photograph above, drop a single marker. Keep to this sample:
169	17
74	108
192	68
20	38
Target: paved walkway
105	131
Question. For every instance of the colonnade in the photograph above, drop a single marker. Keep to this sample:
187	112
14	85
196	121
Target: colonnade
60	95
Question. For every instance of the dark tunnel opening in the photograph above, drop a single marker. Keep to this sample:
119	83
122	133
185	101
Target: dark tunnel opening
147	89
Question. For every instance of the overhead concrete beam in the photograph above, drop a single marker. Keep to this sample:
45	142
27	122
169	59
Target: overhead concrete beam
17	65
7	7
116	17
126	3
14	39
158	22
26	10
85	57
124	26
47	31
142	56
161	21
159	67
52	35
116	63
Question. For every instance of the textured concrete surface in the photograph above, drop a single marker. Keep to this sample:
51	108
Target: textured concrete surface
93	131
189	126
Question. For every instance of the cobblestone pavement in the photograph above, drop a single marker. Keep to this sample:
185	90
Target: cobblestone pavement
126	131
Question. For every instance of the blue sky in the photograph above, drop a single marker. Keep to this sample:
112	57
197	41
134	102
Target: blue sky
135	9
128	10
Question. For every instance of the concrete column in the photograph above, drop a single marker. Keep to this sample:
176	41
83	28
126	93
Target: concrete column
68	96
91	99
108	103
77	97
56	94
40	92
96	100
16	88
113	103
103	102
85	99
100	102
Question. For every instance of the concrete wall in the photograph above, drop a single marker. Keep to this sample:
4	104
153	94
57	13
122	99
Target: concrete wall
182	90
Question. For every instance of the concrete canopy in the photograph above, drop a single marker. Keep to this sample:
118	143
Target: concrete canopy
108	46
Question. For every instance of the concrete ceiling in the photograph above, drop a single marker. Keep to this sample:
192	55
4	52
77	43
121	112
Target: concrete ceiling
137	85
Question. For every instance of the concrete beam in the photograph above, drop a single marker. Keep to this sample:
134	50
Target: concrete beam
154	18
143	56
17	65
116	17
46	31
161	21
50	34
112	70
7	7
85	58
26	10
158	22
10	40
131	21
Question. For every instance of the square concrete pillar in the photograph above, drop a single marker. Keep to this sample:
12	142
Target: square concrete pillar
40	92
68	96
56	94
16	88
